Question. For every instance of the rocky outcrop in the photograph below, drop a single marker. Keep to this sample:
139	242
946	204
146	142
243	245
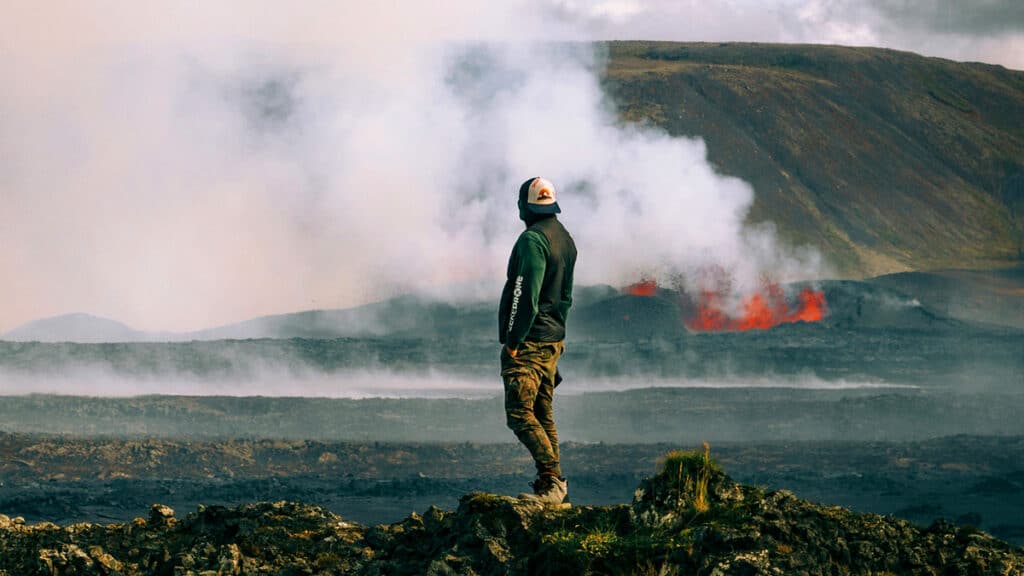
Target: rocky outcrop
689	518
281	537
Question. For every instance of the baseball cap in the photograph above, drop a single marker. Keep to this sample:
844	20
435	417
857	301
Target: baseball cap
538	196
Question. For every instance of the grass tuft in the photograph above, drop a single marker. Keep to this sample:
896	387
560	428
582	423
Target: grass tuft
688	473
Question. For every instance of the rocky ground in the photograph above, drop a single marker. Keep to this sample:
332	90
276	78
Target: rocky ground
860	411
689	518
968	480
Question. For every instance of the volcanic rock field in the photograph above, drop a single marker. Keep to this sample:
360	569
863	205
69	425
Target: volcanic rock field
898	402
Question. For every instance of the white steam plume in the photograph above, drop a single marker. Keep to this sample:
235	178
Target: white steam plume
180	165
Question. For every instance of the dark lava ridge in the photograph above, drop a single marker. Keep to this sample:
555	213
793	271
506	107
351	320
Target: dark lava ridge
689	518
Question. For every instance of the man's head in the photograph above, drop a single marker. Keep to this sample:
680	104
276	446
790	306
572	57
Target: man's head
537	199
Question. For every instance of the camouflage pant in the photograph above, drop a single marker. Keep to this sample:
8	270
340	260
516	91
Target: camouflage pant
530	381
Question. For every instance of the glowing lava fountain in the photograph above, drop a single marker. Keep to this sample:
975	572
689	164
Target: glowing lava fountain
760	311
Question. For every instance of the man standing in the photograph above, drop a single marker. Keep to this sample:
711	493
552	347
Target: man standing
531	325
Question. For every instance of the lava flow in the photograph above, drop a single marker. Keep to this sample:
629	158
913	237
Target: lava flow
760	311
644	287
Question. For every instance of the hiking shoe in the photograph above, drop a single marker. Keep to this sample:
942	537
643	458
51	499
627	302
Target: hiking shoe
540	484
547	489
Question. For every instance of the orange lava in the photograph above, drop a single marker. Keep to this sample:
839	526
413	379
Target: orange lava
761	311
644	287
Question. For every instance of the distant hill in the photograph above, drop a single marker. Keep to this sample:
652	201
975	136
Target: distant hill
917	300
74	328
404	316
887	161
993	297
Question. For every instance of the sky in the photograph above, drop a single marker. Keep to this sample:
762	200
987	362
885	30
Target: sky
177	165
979	30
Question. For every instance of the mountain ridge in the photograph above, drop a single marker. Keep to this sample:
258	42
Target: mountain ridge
886	161
994	297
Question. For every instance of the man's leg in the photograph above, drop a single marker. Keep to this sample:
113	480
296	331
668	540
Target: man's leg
522	377
543	411
543	407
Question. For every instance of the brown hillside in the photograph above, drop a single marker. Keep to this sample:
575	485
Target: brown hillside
887	161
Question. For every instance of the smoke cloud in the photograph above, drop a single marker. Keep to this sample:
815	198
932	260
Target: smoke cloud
178	165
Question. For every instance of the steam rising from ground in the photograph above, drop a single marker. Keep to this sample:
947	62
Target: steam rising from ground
176	169
358	384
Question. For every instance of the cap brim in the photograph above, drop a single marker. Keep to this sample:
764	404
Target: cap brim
544	208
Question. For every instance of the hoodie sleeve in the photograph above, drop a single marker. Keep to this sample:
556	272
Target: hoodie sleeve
529	258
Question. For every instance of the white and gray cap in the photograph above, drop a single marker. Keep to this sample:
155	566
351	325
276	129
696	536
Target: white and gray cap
538	196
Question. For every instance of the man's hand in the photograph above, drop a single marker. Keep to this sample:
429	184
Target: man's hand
511	351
